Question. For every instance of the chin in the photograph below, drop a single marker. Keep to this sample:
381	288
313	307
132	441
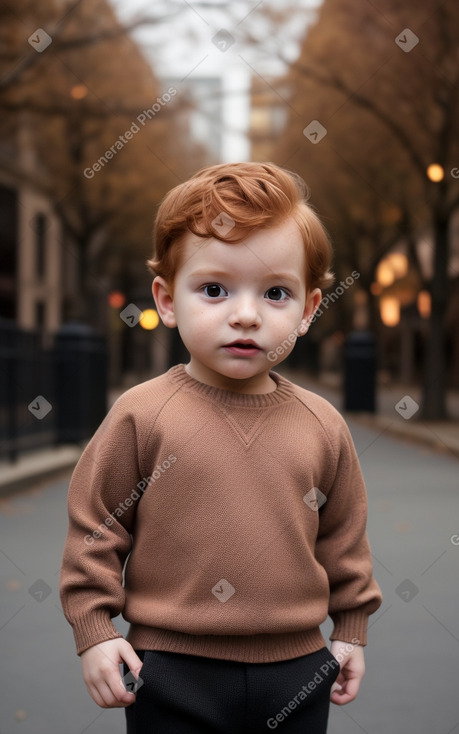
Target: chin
240	373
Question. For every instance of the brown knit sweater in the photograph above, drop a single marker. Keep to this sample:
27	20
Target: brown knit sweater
244	517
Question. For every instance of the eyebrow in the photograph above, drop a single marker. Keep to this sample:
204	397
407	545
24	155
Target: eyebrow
286	276
209	272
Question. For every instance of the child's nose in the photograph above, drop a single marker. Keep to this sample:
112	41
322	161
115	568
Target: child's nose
245	313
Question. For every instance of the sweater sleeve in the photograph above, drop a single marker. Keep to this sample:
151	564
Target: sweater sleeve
101	507
342	545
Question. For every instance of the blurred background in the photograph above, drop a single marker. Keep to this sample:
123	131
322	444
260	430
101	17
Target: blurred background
106	105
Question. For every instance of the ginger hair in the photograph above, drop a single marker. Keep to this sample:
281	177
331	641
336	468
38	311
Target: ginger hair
254	196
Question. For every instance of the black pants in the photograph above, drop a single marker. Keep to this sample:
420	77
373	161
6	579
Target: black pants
188	694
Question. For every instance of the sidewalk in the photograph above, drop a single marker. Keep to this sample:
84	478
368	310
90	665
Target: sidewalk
35	466
441	436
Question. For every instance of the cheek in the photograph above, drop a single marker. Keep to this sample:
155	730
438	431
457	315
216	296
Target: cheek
286	324
196	316
286	318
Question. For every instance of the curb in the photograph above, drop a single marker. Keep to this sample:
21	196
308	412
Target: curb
440	436
37	466
420	432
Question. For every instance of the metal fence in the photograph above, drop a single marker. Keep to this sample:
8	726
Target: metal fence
52	387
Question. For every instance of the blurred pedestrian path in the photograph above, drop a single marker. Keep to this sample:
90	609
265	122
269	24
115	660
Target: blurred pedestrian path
441	435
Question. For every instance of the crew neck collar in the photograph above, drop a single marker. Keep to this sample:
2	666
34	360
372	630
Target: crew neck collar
282	392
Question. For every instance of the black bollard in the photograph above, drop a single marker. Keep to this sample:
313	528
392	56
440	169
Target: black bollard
81	378
360	372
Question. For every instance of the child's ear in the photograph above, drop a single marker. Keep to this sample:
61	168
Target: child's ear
164	301
312	304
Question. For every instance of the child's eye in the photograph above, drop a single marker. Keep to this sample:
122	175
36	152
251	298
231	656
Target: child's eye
276	294
213	290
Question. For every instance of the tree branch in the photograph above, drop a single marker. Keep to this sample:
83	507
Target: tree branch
335	82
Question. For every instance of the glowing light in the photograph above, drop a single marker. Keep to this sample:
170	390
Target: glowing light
78	91
116	299
424	304
149	319
399	264
384	273
389	309
435	172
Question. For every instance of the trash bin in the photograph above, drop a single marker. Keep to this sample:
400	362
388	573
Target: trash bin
360	372
81	367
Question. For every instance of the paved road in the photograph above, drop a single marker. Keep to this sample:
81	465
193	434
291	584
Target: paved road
411	683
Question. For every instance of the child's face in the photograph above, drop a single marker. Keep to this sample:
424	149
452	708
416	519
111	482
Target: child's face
235	304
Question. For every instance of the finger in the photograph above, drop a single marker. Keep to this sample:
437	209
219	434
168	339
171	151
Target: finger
112	689
339	698
347	692
102	695
352	687
109	688
118	689
111	700
131	659
95	695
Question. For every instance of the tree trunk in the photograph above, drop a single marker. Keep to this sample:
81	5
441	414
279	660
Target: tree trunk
84	306
435	376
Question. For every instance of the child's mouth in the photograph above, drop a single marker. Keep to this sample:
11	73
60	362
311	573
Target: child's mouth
247	349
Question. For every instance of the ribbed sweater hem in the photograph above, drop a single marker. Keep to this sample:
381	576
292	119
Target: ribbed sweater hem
264	648
93	628
349	626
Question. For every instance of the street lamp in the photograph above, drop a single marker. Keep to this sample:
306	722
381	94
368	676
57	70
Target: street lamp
389	309
385	274
116	299
393	267
149	319
399	264
435	172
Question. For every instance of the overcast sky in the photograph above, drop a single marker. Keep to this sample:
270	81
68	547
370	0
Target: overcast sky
183	35
192	40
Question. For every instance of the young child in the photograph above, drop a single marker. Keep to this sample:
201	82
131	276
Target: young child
235	496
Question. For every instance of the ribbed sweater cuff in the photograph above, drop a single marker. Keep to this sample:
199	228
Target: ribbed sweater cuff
96	627
350	626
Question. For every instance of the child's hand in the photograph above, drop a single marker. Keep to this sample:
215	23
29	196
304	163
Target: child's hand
352	666
101	672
